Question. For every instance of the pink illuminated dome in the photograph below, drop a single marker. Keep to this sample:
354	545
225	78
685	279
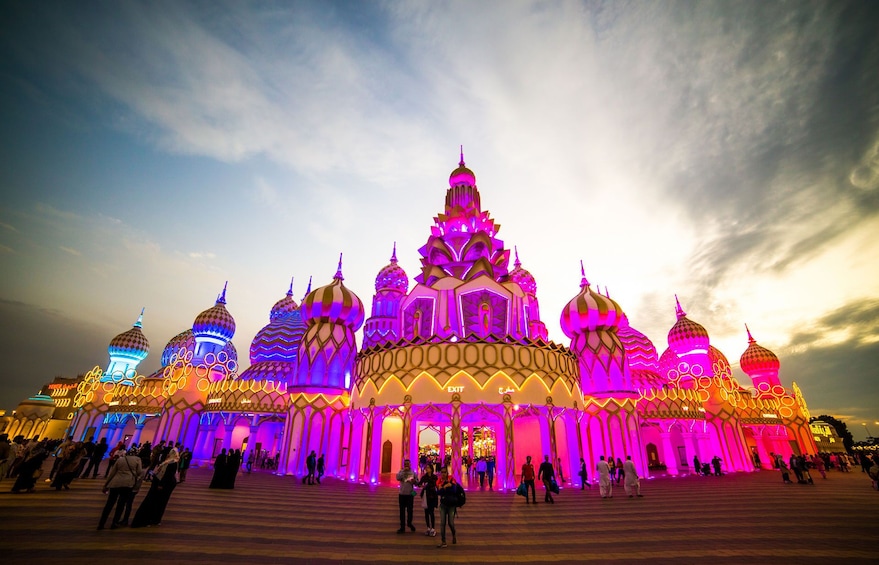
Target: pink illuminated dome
285	308
131	345
589	311
462	175
522	277
757	359
392	276
687	336
640	351
215	322
333	304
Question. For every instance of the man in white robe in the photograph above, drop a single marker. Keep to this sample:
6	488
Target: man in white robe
633	483
605	486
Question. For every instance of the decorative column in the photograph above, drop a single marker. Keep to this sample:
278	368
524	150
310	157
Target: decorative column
669	455
369	416
138	430
507	468
456	435
405	451
375	460
690	448
227	438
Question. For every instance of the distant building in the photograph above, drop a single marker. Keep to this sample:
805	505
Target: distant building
826	438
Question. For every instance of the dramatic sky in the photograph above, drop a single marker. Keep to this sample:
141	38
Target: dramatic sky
724	151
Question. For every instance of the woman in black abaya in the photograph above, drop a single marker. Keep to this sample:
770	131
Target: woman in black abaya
219	478
164	480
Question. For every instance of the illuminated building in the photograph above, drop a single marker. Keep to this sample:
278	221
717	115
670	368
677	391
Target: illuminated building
458	362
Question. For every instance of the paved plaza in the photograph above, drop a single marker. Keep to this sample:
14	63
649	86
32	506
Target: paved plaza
739	518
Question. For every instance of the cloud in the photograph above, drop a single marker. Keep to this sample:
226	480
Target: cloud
70	250
201	255
7	227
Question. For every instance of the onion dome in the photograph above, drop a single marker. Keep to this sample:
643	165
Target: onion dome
640	351
286	307
38	406
462	175
215	322
522	277
280	339
131	345
589	311
668	361
687	336
719	363
757	359
184	340
333	304
392	276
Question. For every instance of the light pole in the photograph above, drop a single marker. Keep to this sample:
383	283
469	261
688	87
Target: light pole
869	435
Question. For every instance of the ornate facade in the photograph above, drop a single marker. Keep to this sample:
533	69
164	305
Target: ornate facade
459	363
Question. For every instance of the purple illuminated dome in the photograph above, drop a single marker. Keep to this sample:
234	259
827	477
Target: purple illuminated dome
757	359
131	346
589	311
687	336
184	340
333	304
280	339
392	276
640	351
462	175
522	277
215	322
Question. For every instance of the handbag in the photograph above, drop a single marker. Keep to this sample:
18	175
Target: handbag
554	486
522	490
423	500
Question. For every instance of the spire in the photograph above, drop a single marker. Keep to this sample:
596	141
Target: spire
338	274
139	322
461	163
678	310
394	254
222	298
606	292
290	290
307	290
583	281
750	337
517	263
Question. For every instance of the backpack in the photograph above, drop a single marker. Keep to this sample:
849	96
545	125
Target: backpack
461	499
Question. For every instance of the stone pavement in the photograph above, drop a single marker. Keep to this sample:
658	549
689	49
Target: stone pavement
738	518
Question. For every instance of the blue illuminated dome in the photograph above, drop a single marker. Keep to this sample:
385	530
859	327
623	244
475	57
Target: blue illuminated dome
131	346
280	339
184	340
215	323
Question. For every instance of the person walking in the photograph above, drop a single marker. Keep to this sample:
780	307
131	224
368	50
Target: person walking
584	475
528	479
619	469
219	477
321	466
450	496
429	499
185	462
481	467
490	466
153	506
310	465
98	452
120	484
605	486
547	474
633	482
406	496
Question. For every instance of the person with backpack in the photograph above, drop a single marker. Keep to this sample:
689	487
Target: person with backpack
451	497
